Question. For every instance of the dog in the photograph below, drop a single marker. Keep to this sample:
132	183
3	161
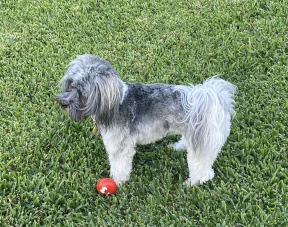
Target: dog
128	114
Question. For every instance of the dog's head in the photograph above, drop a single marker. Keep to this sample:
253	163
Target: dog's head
90	87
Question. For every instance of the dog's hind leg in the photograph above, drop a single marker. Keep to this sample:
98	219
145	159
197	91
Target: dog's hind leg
181	145
200	167
201	159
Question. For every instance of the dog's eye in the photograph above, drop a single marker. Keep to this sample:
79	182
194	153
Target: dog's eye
64	106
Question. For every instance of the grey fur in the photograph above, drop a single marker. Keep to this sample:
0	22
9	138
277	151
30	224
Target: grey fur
134	113
98	85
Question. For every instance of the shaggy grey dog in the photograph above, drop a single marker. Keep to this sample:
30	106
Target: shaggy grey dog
128	114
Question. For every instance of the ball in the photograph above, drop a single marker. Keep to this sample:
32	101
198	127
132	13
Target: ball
106	186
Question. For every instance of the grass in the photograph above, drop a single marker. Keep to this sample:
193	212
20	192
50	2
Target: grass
49	165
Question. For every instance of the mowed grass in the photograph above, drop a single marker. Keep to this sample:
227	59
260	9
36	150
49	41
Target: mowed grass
49	165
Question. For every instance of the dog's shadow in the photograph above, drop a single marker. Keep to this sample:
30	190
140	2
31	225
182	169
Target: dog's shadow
159	158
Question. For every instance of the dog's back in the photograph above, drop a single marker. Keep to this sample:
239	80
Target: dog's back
150	110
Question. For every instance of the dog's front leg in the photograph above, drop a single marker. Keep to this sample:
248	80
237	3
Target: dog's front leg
121	165
120	151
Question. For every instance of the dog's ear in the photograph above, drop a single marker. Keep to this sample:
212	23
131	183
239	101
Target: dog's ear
101	87
105	89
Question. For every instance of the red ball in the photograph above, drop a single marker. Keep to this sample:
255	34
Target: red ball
106	186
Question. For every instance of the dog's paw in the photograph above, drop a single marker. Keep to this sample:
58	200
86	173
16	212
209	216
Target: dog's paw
208	176
201	180
191	182
120	181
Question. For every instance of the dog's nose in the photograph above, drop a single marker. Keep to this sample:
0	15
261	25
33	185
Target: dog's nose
58	98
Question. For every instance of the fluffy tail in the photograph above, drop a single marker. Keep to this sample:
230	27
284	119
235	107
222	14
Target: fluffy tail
208	111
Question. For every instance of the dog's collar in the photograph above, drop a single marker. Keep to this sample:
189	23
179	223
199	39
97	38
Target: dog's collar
95	128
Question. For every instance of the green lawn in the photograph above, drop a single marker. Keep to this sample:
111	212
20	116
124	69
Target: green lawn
49	165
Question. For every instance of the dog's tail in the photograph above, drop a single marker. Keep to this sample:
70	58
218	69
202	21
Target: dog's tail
208	110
